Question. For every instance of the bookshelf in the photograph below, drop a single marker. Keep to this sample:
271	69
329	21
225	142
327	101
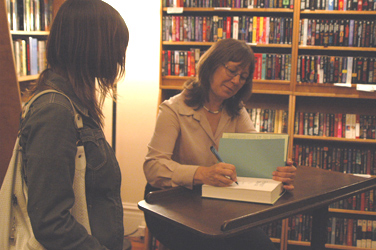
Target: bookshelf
290	94
11	83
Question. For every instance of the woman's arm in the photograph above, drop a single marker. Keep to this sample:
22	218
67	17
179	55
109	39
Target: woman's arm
160	169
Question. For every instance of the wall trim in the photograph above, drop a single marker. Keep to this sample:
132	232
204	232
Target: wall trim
133	218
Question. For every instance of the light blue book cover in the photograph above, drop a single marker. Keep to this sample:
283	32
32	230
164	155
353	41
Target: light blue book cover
33	43
331	5
256	158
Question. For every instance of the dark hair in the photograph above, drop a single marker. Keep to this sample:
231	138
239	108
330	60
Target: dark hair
197	89
87	45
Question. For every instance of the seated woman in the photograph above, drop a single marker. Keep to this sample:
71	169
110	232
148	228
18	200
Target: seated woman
190	123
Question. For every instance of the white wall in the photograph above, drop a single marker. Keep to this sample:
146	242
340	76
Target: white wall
138	100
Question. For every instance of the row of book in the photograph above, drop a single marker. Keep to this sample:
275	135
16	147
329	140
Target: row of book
273	229
336	69
338	32
267	66
352	232
344	5
29	15
341	159
351	126
269	120
29	55
341	231
311	69
361	202
299	227
252	29
180	62
272	66
230	3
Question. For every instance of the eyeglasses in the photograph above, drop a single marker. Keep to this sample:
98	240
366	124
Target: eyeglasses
234	72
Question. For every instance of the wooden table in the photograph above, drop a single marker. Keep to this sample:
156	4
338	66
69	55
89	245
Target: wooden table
314	190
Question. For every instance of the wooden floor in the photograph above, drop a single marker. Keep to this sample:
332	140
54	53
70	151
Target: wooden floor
137	243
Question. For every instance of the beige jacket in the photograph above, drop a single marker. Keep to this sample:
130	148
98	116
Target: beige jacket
182	140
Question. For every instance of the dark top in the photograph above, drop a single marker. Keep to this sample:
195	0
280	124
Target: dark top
48	139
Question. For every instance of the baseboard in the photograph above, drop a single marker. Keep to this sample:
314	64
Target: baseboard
133	218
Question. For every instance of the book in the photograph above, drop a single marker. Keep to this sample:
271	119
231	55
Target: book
254	155
33	46
257	190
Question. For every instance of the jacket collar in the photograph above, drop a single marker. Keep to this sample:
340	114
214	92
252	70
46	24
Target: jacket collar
61	84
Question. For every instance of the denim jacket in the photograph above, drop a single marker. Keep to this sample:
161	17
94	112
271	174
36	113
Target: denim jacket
48	139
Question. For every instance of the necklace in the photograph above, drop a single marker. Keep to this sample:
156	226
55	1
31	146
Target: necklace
212	112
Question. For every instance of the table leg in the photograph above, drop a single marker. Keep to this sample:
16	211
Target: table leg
319	228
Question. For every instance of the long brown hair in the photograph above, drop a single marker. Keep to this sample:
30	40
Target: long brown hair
87	45
197	89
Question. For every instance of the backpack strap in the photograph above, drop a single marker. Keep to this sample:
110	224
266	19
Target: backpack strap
77	117
79	209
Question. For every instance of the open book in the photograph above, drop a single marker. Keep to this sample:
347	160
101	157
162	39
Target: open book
254	154
249	189
255	157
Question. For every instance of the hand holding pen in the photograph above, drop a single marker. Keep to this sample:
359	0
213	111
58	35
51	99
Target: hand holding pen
220	175
214	151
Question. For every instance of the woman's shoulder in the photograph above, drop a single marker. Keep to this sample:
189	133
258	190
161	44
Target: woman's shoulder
177	105
174	101
52	101
50	109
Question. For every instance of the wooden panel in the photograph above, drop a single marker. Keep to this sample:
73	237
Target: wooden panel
10	104
56	6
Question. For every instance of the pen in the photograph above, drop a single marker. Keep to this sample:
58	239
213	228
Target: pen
214	151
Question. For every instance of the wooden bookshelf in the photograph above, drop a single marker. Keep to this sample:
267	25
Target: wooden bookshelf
10	104
10	101
289	94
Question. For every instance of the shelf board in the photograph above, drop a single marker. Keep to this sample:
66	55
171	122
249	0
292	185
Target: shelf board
329	90
327	246
27	78
339	48
299	243
30	33
325	138
283	87
225	9
275	240
186	43
355	212
332	246
337	12
259	86
279	87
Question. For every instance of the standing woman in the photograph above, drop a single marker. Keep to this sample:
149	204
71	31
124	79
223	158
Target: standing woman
86	57
189	124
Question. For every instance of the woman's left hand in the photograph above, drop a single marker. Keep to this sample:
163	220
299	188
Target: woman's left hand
286	175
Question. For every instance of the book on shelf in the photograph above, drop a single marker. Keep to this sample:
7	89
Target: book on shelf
248	189
262	30
29	15
33	44
342	159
